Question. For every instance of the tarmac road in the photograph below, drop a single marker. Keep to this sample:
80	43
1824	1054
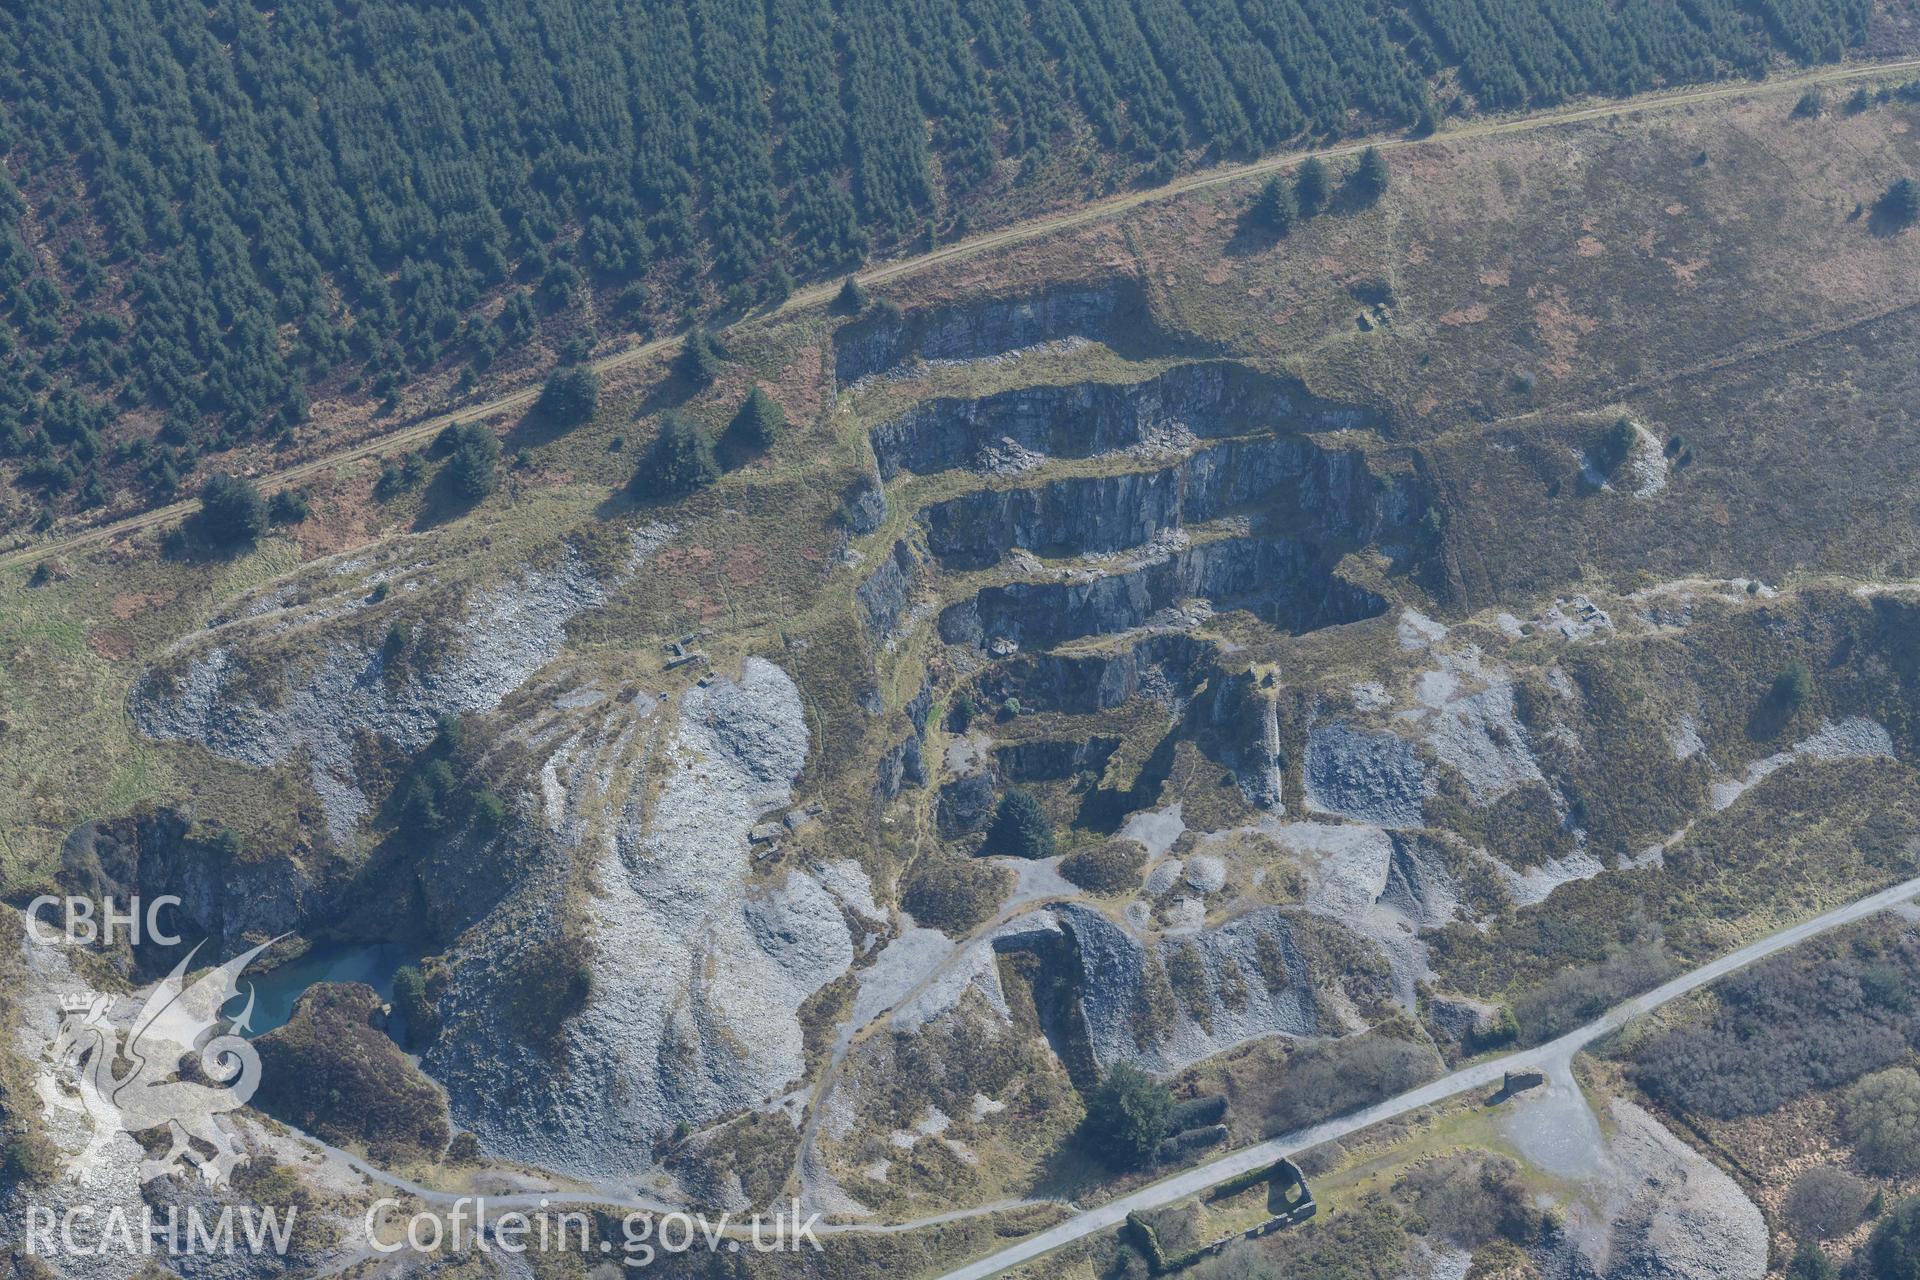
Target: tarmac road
1554	1058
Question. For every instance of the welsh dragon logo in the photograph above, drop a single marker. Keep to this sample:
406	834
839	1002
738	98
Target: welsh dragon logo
127	1075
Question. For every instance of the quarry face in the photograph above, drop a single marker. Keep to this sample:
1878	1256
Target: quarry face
1157	718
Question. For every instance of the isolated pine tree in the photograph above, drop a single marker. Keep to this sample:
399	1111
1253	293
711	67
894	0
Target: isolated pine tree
571	395
680	461
1369	180
1020	827
1127	1115
852	298
1310	187
761	421
232	511
1809	1263
473	468
700	358
1275	210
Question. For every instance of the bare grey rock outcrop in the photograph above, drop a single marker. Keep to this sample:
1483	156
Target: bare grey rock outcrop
1328	490
1283	581
503	636
698	970
884	339
1194	401
1371	777
1245	979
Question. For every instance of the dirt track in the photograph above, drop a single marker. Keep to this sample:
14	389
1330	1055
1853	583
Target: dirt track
821	294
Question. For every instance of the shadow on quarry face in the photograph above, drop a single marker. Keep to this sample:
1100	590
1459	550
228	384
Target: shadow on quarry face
1044	968
1114	312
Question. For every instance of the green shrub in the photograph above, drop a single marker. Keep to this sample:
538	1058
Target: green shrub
427	806
699	361
761	421
852	298
1471	1199
1893	1250
1779	1030
1792	687
1112	867
28	1158
1503	1030
680	461
1617	446
1809	1263
1825	1202
1881	1116
1899	206
1276	209
333	1073
1127	1115
411	1003
1368	181
553	983
571	396
397	475
1310	188
232	511
489	810
473	470
289	506
1581	993
1323	1080
954	894
1020	827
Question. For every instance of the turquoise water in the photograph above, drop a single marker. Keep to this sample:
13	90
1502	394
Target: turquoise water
276	990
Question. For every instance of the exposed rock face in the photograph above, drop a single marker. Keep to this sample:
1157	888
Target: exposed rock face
697	973
865	505
1420	884
505	635
1284	581
1253	977
966	805
1198	400
991	326
1049	759
1480	735
903	766
888	591
1370	777
105	1179
1460	1018
222	896
1329	491
1060	518
99	1173
1164	664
